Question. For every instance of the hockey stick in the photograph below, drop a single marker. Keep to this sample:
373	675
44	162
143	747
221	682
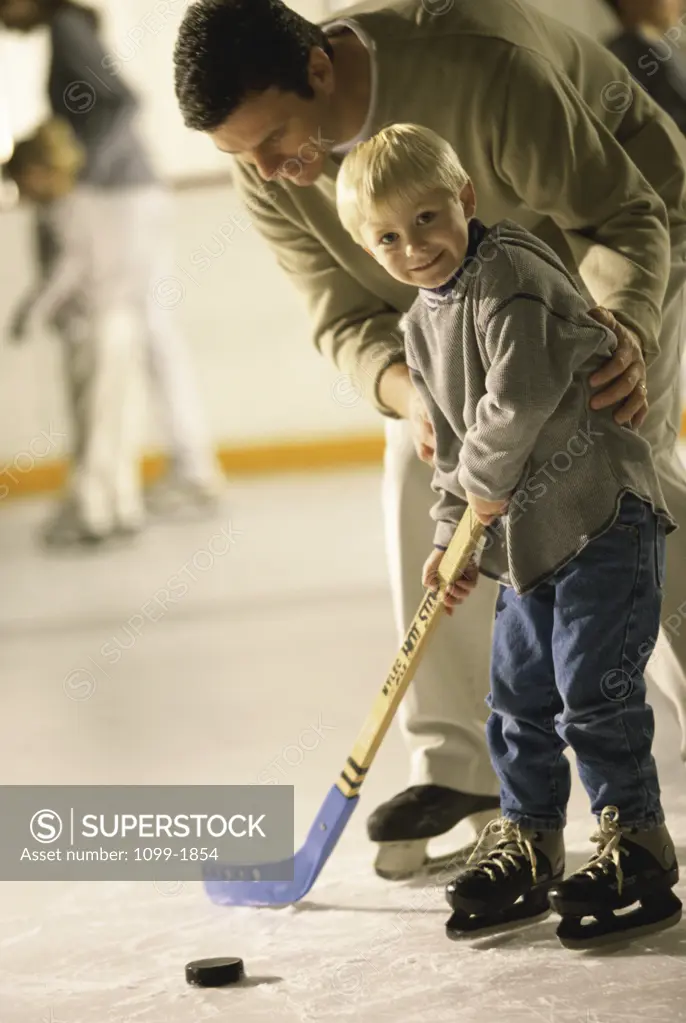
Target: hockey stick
241	886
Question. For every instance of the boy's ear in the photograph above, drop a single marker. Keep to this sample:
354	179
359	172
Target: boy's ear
468	200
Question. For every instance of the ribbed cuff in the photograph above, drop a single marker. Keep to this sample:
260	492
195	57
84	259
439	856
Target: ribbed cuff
444	534
389	413
470	484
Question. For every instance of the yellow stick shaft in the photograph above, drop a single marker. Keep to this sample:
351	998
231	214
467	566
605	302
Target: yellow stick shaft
463	544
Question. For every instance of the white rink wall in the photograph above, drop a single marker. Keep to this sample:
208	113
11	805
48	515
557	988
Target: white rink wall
260	377
259	374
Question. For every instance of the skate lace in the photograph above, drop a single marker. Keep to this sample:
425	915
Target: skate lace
608	836
509	852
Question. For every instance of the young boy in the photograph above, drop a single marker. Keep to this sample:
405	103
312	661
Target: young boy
83	294
500	346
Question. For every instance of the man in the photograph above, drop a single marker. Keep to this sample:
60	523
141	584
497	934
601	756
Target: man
652	45
534	111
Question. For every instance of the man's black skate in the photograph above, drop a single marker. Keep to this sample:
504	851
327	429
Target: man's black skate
508	885
630	867
404	825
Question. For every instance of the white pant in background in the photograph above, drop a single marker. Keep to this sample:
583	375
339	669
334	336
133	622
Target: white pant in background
166	352
115	334
104	375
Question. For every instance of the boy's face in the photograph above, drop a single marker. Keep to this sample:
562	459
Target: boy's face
42	184
423	243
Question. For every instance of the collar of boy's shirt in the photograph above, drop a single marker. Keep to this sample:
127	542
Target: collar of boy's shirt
476	233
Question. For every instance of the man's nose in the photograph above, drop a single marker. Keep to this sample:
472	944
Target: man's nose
267	169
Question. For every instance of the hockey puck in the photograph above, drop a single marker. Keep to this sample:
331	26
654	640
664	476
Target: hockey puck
214	972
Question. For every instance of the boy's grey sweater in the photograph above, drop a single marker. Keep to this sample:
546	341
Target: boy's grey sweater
502	355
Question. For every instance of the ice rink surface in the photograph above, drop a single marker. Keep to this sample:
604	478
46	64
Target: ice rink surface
290	631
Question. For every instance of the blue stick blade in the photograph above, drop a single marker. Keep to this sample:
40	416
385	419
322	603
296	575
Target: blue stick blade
304	868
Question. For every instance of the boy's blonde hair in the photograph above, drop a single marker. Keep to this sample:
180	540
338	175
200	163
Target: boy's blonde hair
396	166
53	145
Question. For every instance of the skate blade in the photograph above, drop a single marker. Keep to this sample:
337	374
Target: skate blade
402	861
462	928
573	934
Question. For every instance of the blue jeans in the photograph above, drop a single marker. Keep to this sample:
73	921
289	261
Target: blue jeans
567	670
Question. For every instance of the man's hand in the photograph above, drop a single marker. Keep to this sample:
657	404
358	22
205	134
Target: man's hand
486	511
422	431
627	370
458	591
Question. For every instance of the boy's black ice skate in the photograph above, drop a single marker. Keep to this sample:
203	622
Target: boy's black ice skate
404	825
630	867
506	886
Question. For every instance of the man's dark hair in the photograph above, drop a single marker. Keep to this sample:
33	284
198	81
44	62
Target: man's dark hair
613	5
227	50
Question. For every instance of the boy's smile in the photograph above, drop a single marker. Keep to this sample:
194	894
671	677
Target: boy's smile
427	266
422	242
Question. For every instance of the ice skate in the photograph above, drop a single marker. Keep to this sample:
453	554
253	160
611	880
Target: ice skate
405	824
630	867
66	530
506	885
179	496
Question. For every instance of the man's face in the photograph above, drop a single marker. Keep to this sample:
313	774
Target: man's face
424	242
282	134
23	15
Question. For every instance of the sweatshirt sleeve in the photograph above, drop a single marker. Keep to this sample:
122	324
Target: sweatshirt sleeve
534	353
356	330
615	224
451	503
104	104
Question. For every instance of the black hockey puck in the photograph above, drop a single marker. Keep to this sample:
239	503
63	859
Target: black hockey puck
214	972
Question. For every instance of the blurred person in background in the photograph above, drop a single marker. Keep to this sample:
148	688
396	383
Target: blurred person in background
82	295
652	46
100	109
